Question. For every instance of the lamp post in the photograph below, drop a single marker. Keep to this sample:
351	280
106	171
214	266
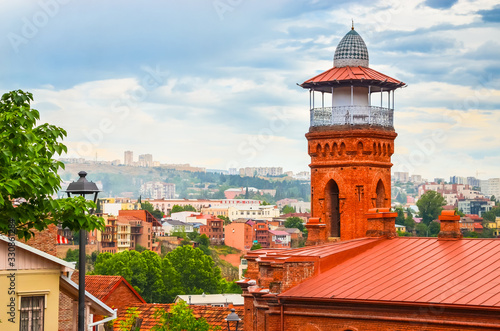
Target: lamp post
82	187
232	317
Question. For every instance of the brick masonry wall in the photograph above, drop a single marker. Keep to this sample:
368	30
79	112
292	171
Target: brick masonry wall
356	159
46	241
66	319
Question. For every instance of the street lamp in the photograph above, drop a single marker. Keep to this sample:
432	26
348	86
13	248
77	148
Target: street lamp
233	317
82	187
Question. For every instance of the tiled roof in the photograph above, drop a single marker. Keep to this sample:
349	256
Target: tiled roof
413	271
102	286
213	315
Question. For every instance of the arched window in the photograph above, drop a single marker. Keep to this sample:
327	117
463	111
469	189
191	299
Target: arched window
360	148
326	151
380	194
332	211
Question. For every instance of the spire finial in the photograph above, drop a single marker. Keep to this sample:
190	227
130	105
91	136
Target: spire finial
352	28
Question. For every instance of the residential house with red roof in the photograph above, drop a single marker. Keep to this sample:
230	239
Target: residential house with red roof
114	291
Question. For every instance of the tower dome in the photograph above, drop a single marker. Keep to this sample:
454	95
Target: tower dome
351	51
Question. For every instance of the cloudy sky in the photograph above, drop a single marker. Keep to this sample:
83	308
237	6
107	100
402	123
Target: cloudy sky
213	82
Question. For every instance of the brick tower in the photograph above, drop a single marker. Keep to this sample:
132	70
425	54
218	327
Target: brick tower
350	142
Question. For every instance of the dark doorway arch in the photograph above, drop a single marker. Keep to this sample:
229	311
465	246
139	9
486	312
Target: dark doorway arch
332	208
380	194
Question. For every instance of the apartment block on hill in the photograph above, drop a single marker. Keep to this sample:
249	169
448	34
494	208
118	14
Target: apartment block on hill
214	229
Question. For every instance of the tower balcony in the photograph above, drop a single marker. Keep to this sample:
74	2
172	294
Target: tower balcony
352	115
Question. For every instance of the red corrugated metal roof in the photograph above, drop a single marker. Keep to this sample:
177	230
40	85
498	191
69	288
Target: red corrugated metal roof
351	73
414	270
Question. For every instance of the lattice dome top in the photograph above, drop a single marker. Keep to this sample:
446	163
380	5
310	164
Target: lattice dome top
351	51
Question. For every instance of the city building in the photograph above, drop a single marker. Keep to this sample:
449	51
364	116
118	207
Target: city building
491	187
157	190
213	300
239	234
213	229
171	226
128	158
475	206
261	171
166	205
267	212
279	239
145	160
402	177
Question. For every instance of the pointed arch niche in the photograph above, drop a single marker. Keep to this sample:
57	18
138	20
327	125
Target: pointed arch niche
332	208
380	191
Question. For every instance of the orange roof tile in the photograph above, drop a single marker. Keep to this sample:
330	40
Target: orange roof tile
413	271
102	286
215	316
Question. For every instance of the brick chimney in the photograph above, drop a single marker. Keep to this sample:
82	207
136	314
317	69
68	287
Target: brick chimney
450	227
381	223
316	232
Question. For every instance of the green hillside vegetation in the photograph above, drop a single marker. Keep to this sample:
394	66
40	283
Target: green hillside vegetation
194	185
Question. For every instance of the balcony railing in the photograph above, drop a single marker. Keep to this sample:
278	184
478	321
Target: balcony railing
352	115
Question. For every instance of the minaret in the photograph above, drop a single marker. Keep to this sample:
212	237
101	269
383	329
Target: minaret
350	141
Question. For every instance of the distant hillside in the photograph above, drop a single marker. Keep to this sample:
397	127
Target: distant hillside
124	180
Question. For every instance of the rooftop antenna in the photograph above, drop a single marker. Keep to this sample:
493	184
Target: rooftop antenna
352	28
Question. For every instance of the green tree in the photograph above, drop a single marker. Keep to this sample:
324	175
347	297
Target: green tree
204	240
28	173
198	272
176	209
145	271
189	208
459	212
180	318
225	219
193	235
400	219
409	223
149	207
430	206
491	215
434	228
288	209
294	222
422	230
130	320
255	246
140	248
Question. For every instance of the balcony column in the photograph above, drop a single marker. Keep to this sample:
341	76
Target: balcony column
369	95
381	93
322	99
332	98
393	99
313	98
389	99
352	95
